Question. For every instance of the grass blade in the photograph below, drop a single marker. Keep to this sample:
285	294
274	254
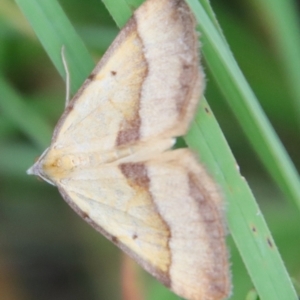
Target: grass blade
245	220
246	107
54	30
283	22
12	106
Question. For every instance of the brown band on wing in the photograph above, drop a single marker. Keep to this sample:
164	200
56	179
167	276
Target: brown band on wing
136	174
130	131
187	52
173	58
130	127
213	222
189	59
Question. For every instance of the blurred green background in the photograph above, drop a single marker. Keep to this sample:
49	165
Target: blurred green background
46	250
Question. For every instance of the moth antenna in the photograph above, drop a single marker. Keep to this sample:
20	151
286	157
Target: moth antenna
63	57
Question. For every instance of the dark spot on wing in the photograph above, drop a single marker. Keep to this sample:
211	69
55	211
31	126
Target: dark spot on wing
92	76
85	216
114	239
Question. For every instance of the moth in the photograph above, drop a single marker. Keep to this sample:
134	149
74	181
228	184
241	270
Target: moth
111	157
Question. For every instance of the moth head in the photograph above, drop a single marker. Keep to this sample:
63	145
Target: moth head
38	170
51	166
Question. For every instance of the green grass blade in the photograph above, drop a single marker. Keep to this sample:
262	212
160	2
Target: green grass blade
246	107
14	159
283	22
245	220
12	106
55	30
120	11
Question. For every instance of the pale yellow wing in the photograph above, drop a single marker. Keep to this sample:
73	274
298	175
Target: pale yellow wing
147	84
165	212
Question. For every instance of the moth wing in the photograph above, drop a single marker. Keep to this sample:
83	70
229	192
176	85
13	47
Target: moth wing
146	85
166	213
